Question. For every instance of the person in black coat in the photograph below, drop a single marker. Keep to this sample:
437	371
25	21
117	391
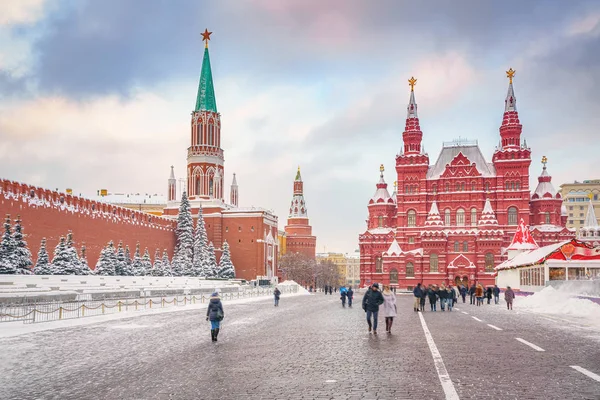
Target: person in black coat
371	302
433	295
422	300
442	294
277	295
215	314
488	294
350	295
472	293
496	291
463	292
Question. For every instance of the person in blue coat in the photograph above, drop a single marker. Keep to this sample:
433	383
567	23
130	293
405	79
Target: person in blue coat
215	314
343	295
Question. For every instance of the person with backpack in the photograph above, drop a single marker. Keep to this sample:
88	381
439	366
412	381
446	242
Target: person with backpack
215	315
370	304
276	294
343	294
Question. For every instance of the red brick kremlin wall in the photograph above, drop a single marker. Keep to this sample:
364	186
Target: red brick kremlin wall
51	214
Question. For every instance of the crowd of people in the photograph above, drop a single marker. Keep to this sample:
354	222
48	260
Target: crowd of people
448	296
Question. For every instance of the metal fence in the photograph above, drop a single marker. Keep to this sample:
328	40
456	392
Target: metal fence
58	310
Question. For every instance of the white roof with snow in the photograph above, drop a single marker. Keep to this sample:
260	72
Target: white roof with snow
449	152
530	257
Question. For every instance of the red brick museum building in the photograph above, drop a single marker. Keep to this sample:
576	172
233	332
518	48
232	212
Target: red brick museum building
452	222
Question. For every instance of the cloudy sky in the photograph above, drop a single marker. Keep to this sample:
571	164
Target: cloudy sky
98	94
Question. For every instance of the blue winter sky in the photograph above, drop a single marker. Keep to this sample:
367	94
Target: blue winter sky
98	94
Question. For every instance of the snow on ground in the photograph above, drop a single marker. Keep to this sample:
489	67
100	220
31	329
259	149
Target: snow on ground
9	329
552	301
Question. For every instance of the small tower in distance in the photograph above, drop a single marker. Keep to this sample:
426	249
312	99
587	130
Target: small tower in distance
233	193
172	186
298	231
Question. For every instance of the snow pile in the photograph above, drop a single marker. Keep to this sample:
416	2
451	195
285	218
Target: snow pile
552	301
301	290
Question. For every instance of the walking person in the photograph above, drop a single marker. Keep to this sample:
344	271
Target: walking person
370	304
423	299
472	291
417	293
343	295
451	297
432	294
496	294
276	294
463	293
389	308
215	315
509	296
479	294
350	295
443	295
488	294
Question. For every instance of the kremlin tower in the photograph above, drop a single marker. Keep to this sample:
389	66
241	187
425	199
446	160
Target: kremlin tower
250	231
298	231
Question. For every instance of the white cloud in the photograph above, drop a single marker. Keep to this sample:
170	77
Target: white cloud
21	11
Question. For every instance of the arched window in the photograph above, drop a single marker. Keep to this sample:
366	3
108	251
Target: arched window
410	270
517	185
487	186
210	186
547	217
457	187
473	217
489	262
433	262
434	188
456	247
507	186
447	217
412	218
465	246
378	265
460	217
512	215
447	187
472	186
394	276
380	221
210	134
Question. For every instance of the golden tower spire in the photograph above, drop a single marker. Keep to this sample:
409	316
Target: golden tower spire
412	82
510	74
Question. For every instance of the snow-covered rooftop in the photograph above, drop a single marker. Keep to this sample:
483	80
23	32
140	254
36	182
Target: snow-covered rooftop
137	198
530	257
522	240
449	152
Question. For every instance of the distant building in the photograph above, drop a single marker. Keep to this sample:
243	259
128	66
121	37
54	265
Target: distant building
352	273
149	203
576	197
340	261
298	232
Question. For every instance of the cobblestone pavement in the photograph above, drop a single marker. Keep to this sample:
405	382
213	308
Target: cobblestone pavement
308	348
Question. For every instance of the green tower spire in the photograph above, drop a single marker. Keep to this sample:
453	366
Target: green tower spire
205	101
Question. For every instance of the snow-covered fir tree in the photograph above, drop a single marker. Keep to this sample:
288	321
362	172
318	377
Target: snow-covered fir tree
8	262
157	268
182	261
137	265
85	268
121	268
200	246
61	259
226	268
23	261
166	265
211	268
147	262
42	265
73	266
107	261
128	262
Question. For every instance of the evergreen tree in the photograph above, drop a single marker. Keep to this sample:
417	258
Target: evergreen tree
211	267
182	261
166	265
137	265
226	268
147	263
22	253
200	246
157	269
127	256
121	267
85	268
107	261
42	266
61	260
8	253
73	266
